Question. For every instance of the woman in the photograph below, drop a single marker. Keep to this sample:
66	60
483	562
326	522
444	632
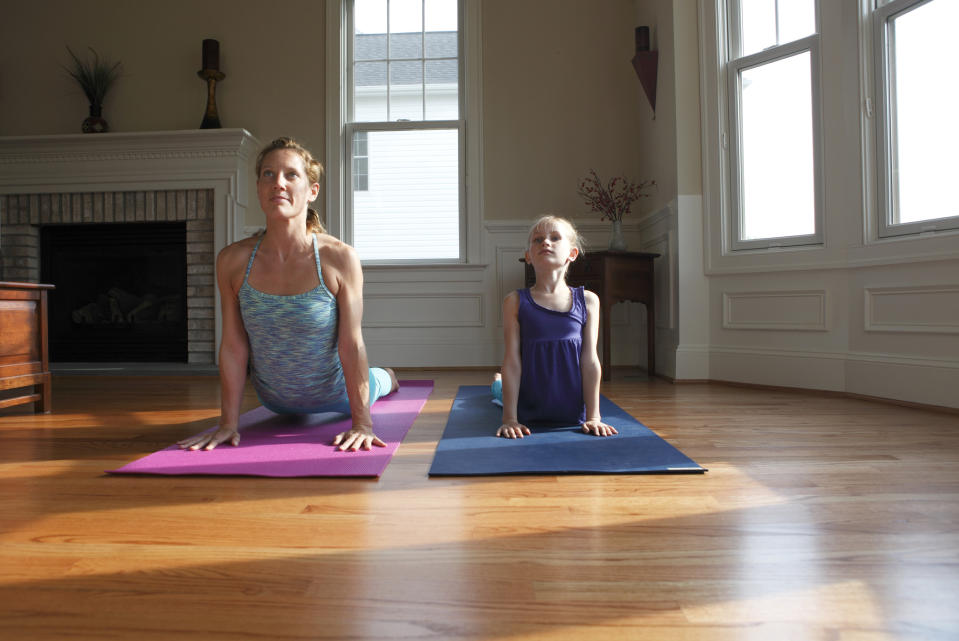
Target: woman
292	304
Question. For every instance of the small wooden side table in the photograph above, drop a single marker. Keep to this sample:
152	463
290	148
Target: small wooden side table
24	348
615	276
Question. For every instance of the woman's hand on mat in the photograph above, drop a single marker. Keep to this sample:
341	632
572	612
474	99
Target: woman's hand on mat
209	440
512	429
360	437
597	427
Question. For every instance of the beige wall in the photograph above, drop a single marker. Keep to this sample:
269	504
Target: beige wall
689	169
657	132
273	60
560	94
560	97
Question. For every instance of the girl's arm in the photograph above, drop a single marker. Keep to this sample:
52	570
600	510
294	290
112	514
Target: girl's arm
352	350
512	370
591	370
234	353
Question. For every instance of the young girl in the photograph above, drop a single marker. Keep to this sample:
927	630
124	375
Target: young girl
551	370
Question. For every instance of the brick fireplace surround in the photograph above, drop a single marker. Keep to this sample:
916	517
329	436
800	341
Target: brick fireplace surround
200	177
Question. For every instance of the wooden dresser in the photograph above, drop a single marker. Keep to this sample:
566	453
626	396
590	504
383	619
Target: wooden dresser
24	352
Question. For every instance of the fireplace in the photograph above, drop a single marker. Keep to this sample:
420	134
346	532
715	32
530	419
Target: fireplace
111	238
121	292
193	184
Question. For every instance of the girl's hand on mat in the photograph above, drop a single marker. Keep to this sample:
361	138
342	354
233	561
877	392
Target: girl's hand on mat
512	430
597	427
209	440
357	438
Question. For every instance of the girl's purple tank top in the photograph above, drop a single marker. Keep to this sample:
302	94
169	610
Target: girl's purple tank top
551	342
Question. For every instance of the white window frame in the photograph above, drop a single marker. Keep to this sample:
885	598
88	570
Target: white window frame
339	30
885	160
734	68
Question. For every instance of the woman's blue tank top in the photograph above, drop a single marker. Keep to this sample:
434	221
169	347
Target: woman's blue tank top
295	365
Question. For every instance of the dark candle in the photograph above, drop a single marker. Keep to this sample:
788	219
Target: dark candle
642	38
211	54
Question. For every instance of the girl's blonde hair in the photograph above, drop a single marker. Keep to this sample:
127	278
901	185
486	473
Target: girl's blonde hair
575	239
314	171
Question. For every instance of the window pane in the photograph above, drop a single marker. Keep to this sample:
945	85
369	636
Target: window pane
406	90
369	46
925	130
369	92
411	210
406	16
406	46
360	162
767	23
441	15
442	97
441	28
778	187
441	44
797	19
369	16
758	25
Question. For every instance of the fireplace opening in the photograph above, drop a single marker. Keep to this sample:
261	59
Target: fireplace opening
120	291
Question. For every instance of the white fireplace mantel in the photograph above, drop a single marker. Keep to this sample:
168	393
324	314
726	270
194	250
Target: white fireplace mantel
217	159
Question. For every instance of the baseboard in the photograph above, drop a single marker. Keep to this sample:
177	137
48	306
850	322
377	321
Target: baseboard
836	394
925	382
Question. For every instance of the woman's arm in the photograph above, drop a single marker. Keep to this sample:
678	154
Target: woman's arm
512	369
591	370
234	353
352	349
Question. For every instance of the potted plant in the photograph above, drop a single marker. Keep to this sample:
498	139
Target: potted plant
95	78
612	200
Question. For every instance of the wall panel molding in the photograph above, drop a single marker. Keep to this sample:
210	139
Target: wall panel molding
794	310
921	309
424	311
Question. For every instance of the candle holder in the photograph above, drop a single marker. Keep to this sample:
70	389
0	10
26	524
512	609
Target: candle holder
211	120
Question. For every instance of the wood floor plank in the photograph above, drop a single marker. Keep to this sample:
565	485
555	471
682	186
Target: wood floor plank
821	517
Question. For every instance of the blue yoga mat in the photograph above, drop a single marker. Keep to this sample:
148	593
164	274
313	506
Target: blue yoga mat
470	447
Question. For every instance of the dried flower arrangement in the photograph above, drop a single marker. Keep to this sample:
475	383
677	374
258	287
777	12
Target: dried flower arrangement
614	199
95	78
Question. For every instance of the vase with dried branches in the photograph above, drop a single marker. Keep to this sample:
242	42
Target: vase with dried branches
613	200
95	79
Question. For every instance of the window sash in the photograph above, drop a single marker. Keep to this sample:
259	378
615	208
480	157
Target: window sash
353	225
886	130
735	68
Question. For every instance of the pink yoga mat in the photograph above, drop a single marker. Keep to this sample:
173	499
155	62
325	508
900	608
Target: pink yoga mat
296	445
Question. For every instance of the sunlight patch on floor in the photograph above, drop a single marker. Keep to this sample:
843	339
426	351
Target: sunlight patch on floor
847	603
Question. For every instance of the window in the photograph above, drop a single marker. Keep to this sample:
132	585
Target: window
774	140
402	129
916	127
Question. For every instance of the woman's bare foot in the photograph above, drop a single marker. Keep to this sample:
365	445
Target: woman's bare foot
395	384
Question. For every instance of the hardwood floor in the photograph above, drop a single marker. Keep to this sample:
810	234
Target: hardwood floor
821	518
